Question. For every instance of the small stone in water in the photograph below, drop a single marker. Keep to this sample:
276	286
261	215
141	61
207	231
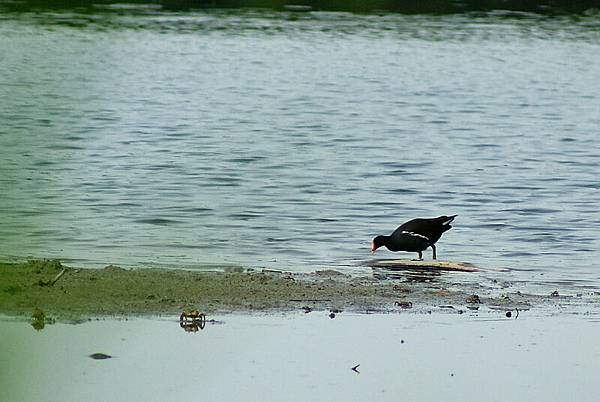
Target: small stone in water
474	299
100	356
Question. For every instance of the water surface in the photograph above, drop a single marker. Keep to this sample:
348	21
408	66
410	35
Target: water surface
141	136
307	357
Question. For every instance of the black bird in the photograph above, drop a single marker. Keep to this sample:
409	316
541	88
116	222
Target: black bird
415	235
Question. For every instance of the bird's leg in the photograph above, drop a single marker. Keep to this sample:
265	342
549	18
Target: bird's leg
434	253
420	255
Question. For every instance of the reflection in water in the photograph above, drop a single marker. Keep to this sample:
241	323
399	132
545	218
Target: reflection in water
407	275
308	358
39	319
192	320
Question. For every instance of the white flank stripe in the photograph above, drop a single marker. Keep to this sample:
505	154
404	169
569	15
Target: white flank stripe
448	221
416	234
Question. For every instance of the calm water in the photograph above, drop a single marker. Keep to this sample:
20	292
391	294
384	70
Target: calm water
307	357
288	140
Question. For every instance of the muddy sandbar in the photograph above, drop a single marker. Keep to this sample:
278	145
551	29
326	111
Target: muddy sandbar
76	293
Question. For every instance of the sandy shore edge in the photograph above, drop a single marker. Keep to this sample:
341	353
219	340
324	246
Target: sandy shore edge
69	293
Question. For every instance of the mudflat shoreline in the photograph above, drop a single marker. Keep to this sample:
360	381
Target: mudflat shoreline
76	293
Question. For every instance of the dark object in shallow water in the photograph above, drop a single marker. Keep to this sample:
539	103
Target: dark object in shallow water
473	299
100	356
39	319
192	320
415	235
403	304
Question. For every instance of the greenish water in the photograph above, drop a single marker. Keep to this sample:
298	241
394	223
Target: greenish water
143	135
307	357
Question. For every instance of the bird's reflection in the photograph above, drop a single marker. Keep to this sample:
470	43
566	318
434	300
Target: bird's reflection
407	275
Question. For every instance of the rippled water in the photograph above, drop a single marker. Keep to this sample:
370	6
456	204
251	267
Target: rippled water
288	140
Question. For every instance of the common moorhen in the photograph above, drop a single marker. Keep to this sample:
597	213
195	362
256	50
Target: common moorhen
415	235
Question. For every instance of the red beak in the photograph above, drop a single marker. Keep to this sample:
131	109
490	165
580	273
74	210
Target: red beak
373	248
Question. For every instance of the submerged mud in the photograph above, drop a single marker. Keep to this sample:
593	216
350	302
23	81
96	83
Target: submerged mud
73	293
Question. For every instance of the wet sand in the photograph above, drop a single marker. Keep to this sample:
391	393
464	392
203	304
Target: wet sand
83	293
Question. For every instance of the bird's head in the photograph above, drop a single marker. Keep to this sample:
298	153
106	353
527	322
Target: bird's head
377	242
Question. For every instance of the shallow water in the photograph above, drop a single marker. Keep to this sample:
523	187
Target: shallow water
299	357
288	140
